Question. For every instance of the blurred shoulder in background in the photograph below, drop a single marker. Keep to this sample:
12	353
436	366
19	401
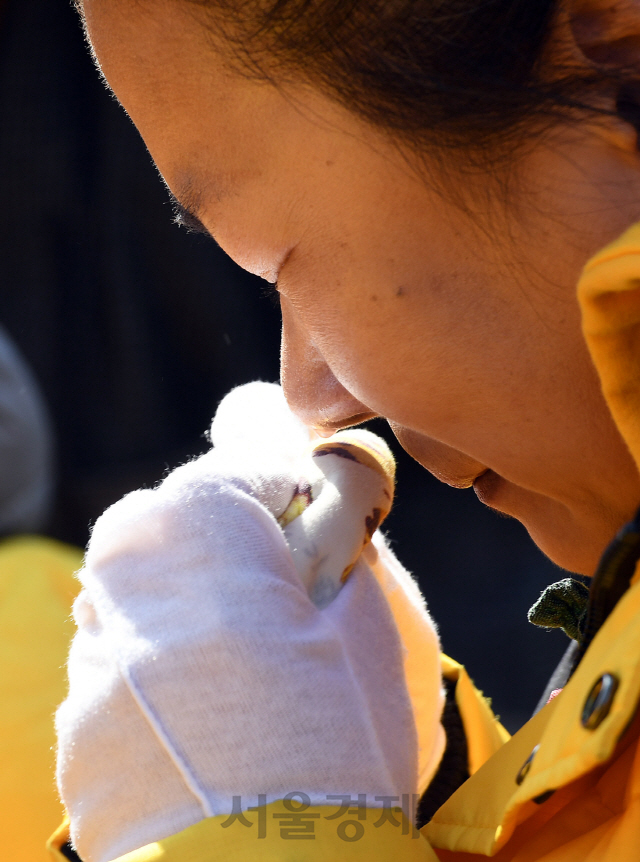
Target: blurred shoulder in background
26	446
37	588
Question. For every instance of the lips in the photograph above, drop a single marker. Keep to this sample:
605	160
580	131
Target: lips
450	466
487	487
328	429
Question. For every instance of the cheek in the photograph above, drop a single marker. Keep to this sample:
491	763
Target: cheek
366	344
399	339
460	357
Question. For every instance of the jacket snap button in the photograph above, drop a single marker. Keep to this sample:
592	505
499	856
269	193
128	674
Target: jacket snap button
599	700
526	766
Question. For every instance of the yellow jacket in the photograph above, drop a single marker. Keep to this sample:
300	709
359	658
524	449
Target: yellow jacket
36	591
578	798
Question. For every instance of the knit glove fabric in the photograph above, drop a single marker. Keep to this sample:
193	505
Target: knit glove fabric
239	635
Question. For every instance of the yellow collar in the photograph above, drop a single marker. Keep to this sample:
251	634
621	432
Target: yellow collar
481	816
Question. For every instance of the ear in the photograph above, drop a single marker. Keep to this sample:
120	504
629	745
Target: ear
605	36
606	32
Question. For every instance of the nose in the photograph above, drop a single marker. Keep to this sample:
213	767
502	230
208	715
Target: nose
310	387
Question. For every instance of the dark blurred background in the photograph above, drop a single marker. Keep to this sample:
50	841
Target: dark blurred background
135	329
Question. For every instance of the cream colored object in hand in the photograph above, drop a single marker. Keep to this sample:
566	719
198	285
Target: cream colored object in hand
332	518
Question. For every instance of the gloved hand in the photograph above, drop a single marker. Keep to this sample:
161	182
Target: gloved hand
239	635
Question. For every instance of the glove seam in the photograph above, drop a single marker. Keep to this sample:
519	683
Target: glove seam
179	762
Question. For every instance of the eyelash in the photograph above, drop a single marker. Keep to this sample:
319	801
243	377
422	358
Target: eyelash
186	219
270	290
183	218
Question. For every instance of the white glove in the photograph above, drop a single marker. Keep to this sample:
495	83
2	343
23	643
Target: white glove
218	653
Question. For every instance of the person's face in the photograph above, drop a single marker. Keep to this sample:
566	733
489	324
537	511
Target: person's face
459	327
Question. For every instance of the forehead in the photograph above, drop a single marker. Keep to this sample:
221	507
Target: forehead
220	138
162	65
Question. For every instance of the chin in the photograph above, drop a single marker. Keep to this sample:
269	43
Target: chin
569	552
573	539
573	536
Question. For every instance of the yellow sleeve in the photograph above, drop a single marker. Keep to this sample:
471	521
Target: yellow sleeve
268	839
36	592
337	838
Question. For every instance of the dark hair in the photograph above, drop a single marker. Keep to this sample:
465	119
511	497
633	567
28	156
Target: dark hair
468	73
